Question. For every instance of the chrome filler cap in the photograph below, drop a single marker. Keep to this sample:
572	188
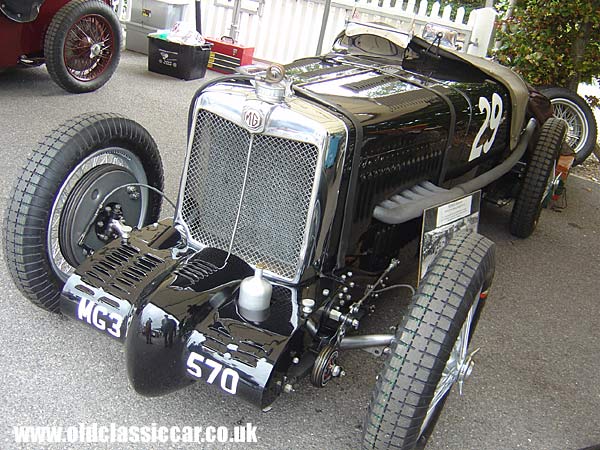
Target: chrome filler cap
271	86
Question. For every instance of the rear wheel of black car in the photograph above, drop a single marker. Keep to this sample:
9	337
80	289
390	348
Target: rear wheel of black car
82	45
431	351
582	131
538	180
68	192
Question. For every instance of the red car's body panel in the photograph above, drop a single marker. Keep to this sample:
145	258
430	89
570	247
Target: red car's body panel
17	39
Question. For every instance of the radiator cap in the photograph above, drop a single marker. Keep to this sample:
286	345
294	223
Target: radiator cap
271	86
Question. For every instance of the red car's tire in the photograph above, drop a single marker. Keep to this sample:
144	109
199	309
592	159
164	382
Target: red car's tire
83	45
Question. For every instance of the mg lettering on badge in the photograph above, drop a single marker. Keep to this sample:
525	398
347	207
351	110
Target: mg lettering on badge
100	317
254	120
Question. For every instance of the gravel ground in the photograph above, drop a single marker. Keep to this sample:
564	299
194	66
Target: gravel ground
589	169
536	384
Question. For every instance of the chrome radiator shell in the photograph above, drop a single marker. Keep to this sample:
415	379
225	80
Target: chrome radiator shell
294	175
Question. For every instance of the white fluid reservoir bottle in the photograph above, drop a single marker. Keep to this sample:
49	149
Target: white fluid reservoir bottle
255	296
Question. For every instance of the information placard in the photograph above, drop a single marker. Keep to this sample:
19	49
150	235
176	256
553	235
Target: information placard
442	221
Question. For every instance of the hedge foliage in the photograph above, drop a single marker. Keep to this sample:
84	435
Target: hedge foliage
552	42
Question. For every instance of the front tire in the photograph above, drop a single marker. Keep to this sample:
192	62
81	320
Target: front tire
430	352
58	194
583	131
83	45
538	178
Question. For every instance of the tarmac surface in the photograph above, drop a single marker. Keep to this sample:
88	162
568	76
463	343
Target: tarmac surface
536	383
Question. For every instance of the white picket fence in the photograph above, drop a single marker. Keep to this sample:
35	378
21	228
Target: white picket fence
284	30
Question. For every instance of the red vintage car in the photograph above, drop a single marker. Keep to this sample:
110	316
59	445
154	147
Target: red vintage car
79	40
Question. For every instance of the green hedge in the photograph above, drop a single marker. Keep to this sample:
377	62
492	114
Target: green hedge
552	42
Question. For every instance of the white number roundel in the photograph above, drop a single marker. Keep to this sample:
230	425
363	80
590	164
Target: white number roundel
493	117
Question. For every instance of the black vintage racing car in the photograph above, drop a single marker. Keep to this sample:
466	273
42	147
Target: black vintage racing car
302	189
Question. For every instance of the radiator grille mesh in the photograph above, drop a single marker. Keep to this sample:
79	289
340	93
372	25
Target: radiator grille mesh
277	199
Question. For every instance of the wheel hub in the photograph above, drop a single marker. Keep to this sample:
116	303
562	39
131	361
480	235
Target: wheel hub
551	187
465	369
78	199
89	46
77	238
95	50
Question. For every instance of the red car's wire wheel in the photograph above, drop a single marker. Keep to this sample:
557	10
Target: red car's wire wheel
89	47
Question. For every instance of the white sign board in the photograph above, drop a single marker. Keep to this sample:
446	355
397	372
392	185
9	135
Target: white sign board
442	221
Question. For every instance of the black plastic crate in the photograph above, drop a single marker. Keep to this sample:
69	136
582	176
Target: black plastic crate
187	62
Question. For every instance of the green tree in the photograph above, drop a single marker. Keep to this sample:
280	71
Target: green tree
552	42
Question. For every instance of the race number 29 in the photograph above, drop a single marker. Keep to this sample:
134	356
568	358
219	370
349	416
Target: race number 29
493	116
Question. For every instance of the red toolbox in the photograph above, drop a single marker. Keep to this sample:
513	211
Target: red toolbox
226	55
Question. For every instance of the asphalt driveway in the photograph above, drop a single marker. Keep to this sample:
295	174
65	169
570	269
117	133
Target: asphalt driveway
536	384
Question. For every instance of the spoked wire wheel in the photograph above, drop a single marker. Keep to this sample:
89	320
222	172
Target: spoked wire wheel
582	129
83	45
579	129
72	236
89	47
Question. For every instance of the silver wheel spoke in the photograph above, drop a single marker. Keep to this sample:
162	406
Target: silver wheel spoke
440	391
459	364
578	128
552	183
465	332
